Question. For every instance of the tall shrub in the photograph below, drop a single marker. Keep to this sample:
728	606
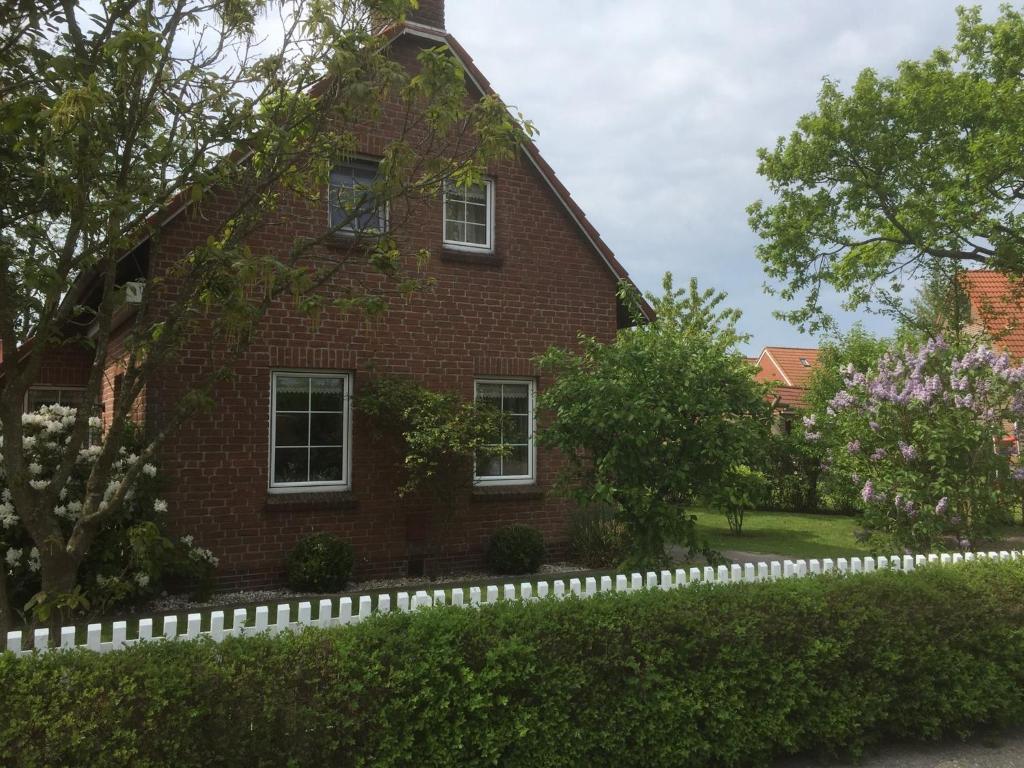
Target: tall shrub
925	439
652	420
133	555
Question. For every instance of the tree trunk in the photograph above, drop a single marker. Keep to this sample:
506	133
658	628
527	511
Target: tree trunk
6	610
59	577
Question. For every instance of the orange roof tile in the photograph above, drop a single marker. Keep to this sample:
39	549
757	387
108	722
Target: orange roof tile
997	303
789	368
790	365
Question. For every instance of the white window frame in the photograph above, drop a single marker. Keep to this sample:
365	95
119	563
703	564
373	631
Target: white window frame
350	230
345	484
531	477
49	388
457	245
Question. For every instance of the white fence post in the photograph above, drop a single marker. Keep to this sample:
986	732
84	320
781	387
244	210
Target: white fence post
723	574
217	625
262	619
474	596
666	580
284	618
590	586
67	637
323	616
749	572
606	583
542	589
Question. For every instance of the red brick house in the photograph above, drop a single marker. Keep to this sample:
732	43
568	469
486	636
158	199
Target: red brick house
518	268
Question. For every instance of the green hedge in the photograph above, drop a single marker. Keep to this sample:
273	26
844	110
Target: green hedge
705	676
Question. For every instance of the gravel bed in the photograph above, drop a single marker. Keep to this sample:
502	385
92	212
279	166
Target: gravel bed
177	603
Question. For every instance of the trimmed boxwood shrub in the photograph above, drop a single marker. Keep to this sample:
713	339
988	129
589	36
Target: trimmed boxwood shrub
515	549
320	563
705	676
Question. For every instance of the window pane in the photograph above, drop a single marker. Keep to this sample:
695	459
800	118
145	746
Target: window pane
476	193
292	429
490	394
488	465
352	201
516	398
325	429
293	393
476	234
327	394
455	210
517	429
291	465
326	465
476	214
455	232
517	462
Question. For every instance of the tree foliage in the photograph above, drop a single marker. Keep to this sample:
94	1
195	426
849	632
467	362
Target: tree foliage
901	174
117	113
652	420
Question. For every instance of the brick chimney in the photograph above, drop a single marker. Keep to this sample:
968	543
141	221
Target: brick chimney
429	14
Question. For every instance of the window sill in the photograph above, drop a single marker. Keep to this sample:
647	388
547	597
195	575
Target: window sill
524	491
484	258
310	501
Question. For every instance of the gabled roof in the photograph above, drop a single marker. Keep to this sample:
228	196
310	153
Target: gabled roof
997	303
790	365
789	368
546	172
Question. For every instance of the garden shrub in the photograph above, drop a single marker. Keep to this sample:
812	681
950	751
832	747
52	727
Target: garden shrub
320	563
133	556
596	538
733	675
515	549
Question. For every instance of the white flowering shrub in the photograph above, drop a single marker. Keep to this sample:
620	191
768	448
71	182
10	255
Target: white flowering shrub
133	556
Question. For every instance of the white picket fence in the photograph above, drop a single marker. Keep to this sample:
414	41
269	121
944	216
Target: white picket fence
353	610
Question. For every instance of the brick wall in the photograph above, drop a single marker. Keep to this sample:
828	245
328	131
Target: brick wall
429	13
544	285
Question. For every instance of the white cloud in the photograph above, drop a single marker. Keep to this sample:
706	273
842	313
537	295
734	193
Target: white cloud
651	111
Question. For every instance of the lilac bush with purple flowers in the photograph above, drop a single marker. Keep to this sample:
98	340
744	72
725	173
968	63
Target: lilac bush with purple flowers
927	436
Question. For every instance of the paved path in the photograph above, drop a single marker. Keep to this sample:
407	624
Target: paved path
1004	751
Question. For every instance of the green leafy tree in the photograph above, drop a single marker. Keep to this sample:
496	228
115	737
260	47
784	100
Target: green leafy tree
739	491
901	174
653	420
117	111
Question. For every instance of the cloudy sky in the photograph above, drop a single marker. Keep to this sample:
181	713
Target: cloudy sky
651	112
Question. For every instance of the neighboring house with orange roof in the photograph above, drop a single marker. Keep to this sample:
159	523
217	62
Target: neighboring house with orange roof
789	369
997	308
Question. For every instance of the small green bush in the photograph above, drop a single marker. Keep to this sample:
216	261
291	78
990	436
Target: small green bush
320	563
515	549
597	539
716	676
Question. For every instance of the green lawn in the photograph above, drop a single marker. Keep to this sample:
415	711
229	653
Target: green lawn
786	534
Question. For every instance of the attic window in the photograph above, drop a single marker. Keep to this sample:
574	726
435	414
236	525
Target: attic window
469	217
805	362
353	206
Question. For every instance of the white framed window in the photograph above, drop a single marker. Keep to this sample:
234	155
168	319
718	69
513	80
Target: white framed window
37	397
310	431
469	217
514	398
353	206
